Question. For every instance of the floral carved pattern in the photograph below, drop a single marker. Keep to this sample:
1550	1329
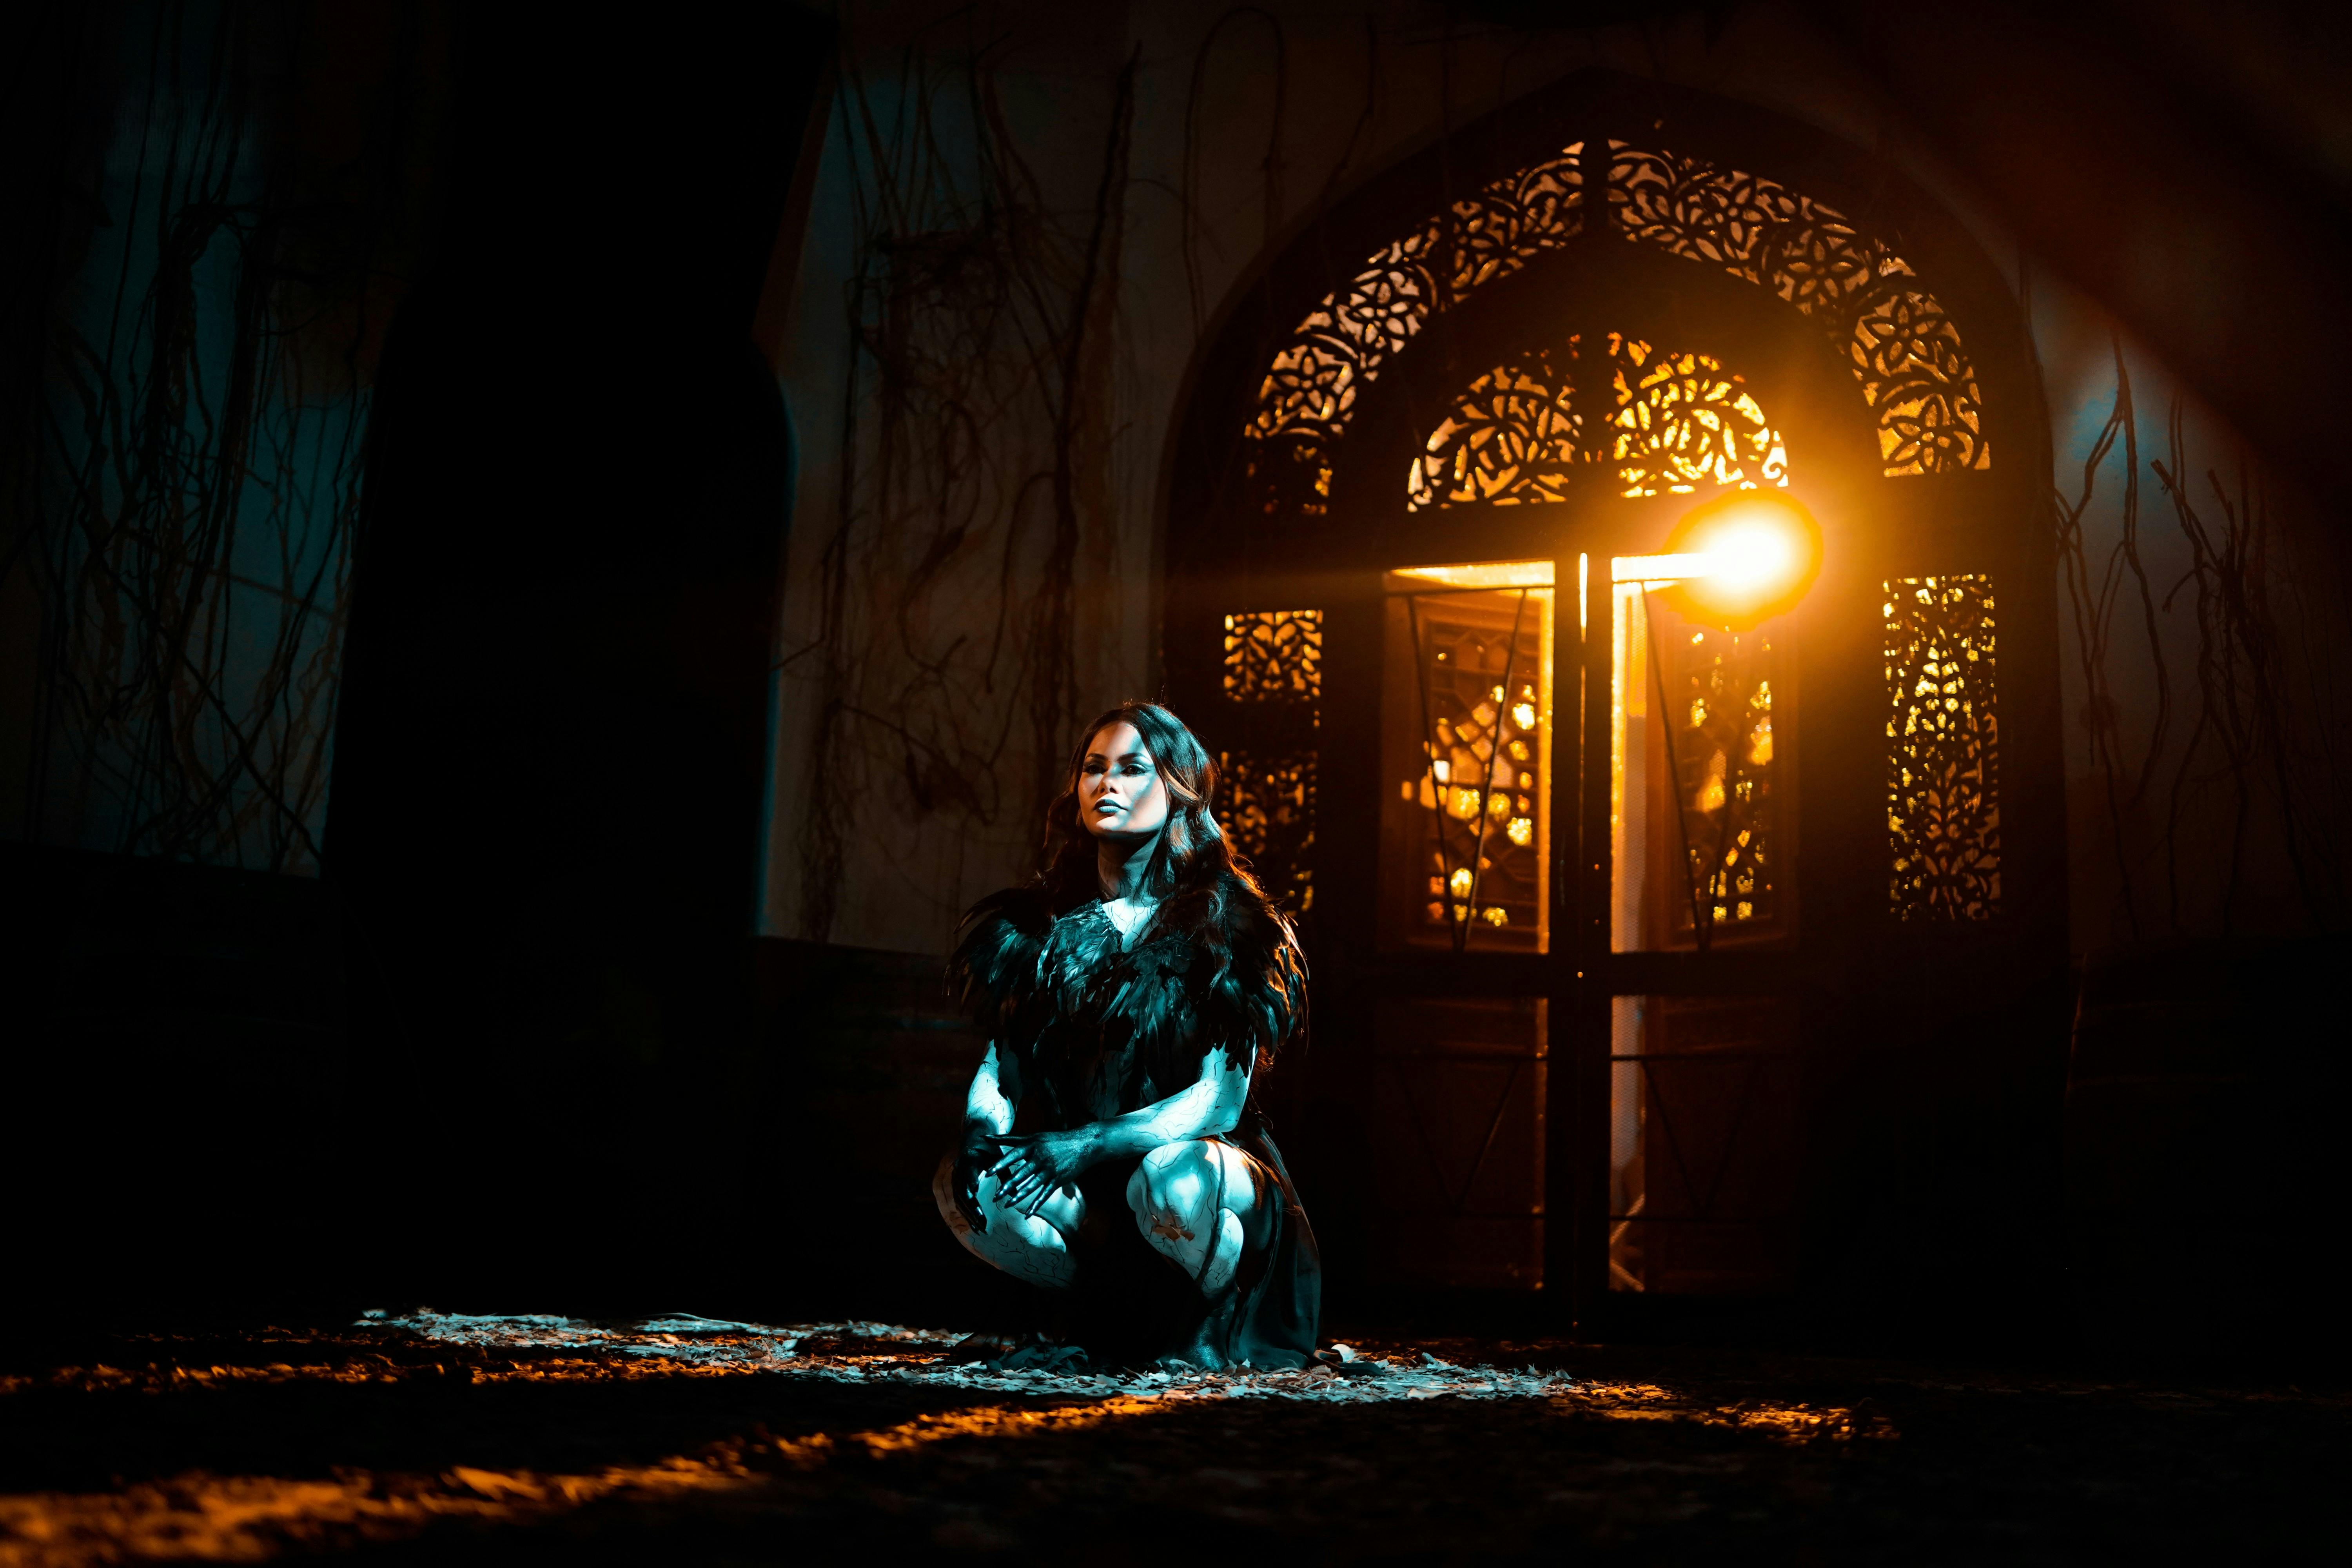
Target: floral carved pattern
1915	372
1903	348
1265	793
1943	809
1311	386
1681	422
1274	655
1268	812
1510	437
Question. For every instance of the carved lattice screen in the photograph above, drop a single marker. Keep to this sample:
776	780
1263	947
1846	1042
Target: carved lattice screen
1916	374
1273	675
1906	355
1672	424
1310	387
1943	731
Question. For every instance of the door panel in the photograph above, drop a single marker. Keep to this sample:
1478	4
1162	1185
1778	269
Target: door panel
1457	1129
1704	1097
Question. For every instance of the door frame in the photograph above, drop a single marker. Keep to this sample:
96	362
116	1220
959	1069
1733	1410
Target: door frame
1859	977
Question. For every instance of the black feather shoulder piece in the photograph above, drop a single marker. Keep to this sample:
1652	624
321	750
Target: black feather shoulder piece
996	971
1219	966
1248	978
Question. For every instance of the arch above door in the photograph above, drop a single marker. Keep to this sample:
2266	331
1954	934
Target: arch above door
1907	355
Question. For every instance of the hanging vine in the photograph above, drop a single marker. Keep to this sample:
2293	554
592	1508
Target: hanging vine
191	469
975	428
2260	737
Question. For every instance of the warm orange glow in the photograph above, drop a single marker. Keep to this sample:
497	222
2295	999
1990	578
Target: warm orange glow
245	1518
1471	866
1735	560
1472	574
1659	570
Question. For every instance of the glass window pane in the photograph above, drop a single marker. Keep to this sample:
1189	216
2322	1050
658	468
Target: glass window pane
1698	807
1466	746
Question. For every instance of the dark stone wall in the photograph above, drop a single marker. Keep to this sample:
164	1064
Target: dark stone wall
2205	1188
182	1092
870	1060
202	1128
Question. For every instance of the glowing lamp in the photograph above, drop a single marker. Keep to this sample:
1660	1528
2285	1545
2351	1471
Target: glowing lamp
1735	560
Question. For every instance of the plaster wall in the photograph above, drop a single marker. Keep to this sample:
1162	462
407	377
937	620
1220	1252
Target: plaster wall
2204	653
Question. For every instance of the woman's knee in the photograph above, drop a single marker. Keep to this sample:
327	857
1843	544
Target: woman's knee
1033	1246
1171	1177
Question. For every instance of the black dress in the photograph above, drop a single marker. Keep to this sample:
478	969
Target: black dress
1097	1029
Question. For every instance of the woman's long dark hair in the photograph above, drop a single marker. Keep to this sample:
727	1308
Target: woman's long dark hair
1192	849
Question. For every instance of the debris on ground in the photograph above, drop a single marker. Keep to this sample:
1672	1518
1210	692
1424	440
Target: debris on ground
445	1437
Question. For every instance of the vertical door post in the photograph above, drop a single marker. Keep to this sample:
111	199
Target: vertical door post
1577	1155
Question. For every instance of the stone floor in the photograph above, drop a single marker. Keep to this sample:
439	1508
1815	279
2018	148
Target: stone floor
443	1439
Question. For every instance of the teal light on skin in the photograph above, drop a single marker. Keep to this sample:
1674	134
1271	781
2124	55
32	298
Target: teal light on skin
1196	1201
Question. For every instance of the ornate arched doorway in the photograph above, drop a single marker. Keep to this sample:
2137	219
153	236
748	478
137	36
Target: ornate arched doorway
1614	905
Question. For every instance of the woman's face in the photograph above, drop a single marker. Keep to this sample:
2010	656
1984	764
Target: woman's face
1120	792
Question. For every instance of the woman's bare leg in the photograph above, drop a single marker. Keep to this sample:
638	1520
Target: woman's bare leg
1197	1203
1034	1247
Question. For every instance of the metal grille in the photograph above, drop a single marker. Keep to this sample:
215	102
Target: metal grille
1479	663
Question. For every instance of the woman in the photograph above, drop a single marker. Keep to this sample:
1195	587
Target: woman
1113	1151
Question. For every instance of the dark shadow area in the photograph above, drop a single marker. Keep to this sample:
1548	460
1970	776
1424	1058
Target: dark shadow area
391	1402
183	1032
522	992
553	737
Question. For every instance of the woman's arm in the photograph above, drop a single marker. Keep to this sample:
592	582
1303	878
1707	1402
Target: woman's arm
1033	1168
988	1107
1211	1107
988	1104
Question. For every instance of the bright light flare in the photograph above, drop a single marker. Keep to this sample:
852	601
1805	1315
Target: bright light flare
1751	554
1735	560
1659	570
